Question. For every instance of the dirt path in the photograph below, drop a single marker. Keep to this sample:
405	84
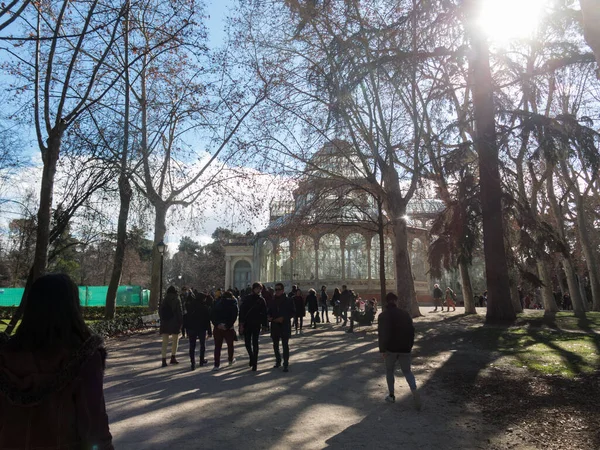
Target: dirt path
331	398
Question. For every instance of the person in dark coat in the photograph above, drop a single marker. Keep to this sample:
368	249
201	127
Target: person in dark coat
197	324
279	315
299	306
313	306
346	299
396	340
335	304
171	321
223	316
323	304
438	296
253	316
51	374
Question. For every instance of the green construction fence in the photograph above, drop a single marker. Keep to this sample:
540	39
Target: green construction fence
88	296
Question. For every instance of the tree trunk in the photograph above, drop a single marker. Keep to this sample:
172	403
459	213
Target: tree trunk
382	275
160	229
514	291
547	295
590	255
574	292
124	191
500	308
467	289
115	279
590	10
44	217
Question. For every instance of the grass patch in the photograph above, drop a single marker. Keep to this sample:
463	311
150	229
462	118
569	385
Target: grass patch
563	345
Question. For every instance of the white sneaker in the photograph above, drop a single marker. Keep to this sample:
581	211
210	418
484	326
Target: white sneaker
390	399
232	362
417	399
216	369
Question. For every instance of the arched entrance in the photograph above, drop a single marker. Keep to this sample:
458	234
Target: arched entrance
242	274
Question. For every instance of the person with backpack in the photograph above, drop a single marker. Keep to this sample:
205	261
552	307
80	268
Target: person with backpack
223	317
171	321
396	339
346	300
197	324
253	316
323	304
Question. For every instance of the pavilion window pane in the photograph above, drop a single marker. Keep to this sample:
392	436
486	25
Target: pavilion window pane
417	259
389	258
330	257
266	262
284	261
304	264
356	257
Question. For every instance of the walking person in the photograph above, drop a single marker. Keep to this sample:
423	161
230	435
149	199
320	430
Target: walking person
323	304
335	303
313	307
396	339
299	306
450	299
197	324
279	315
171	322
223	316
437	297
346	299
51	374
253	316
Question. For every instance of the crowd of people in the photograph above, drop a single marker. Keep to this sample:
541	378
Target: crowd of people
260	309
256	309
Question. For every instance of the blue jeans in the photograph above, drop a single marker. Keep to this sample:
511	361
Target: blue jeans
390	364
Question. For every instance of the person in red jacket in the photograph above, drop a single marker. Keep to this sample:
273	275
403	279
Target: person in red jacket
51	375
396	339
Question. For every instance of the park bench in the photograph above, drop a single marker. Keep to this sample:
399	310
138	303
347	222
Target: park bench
151	320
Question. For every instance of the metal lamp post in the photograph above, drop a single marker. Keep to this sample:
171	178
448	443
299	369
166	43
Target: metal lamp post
161	249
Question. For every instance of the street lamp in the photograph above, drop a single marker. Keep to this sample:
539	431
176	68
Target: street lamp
161	247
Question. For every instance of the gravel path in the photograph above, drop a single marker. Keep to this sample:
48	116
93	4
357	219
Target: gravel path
333	396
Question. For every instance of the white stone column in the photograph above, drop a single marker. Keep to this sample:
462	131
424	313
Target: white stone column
227	272
343	248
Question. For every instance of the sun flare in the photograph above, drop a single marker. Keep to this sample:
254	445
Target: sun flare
504	20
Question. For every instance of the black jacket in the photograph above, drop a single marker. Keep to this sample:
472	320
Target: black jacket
346	299
396	330
253	312
323	298
224	311
311	302
198	314
281	306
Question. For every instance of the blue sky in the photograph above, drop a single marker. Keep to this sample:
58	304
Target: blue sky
217	10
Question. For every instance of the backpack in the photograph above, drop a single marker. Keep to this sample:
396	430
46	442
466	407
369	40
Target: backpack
166	313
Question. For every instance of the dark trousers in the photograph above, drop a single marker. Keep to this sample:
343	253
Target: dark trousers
298	320
251	341
312	319
228	336
193	335
285	340
344	314
324	313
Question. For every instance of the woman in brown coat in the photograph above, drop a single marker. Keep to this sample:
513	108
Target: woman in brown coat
51	375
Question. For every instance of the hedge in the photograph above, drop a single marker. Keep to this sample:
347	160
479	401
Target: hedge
89	312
